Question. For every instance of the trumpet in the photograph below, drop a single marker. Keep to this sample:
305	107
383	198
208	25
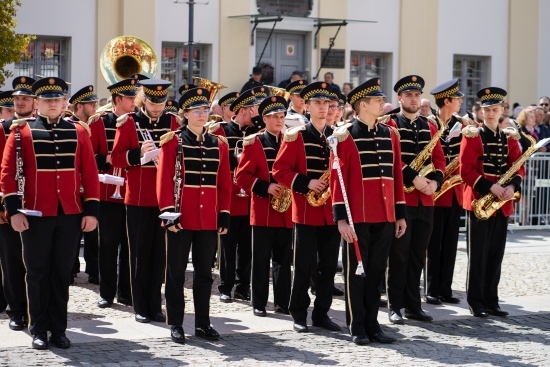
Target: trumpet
146	135
238	152
116	195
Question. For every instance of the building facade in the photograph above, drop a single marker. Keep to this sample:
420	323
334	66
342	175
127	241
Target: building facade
490	42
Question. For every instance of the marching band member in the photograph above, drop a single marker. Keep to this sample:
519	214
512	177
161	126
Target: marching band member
112	211
236	245
11	252
370	159
56	159
271	229
440	263
138	134
408	252
194	180
225	103
486	153
301	162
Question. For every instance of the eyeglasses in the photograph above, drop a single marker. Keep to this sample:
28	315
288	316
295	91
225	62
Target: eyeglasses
334	108
544	104
201	112
506	107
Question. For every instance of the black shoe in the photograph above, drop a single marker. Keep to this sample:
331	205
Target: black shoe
225	298
281	309
360	339
260	312
328	324
383	303
243	296
497	311
381	338
433	300
158	317
480	313
419	315
337	292
60	340
16	323
40	341
103	303
300	327
207	333
124	301
93	280
395	317
449	299
177	335
142	319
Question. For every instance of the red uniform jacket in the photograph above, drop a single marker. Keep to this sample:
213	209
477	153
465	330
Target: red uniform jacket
140	180
451	150
411	145
206	182
254	175
485	155
304	155
370	160
234	135
103	129
57	160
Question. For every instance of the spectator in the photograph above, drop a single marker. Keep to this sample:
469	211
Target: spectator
544	102
329	78
504	122
541	129
102	102
476	111
425	107
296	75
387	108
254	81
526	121
517	111
346	88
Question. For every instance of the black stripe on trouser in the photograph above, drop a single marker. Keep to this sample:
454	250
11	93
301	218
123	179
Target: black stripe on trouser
13	271
362	293
147	258
112	235
204	246
486	244
440	264
407	258
48	254
327	239
271	245
236	256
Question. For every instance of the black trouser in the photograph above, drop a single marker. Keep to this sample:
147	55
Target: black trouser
3	302
13	271
147	258
407	258
362	293
91	249
112	230
48	254
440	264
236	256
486	244
327	239
275	244
178	245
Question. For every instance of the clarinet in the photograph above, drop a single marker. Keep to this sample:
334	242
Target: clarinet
177	177
19	177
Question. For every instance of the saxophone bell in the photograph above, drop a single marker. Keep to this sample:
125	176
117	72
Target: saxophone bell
318	199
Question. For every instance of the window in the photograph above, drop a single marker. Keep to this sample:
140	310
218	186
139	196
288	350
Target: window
473	72
44	57
367	65
174	65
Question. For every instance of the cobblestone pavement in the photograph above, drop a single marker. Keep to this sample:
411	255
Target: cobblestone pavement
521	340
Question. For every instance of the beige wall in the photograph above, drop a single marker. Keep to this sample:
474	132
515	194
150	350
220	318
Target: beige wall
117	18
523	52
234	46
333	10
418	35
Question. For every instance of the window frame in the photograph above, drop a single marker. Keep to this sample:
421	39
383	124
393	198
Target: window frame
36	63
469	84
179	68
359	74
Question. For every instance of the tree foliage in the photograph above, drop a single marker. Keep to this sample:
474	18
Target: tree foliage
12	45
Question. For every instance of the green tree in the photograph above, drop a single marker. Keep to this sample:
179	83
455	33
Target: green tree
12	45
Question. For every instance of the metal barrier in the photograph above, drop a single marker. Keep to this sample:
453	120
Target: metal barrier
533	210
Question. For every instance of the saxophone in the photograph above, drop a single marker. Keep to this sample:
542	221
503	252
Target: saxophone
418	162
449	180
282	203
485	206
318	199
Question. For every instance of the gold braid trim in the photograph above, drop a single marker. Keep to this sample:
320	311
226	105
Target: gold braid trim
396	132
342	132
121	120
85	95
223	139
408	85
179	120
167	137
292	134
213	127
95	117
249	140
470	131
18	123
85	126
124	88
316	91
384	119
364	93
447	93
155	93
491	96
